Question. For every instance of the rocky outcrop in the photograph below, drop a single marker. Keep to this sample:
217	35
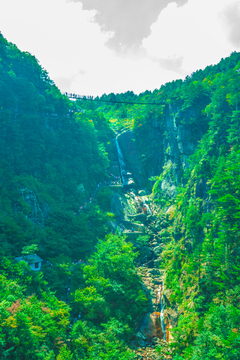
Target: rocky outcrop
138	217
150	328
150	325
166	149
133	207
39	211
132	156
179	143
121	206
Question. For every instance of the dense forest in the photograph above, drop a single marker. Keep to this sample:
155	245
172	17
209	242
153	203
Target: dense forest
101	243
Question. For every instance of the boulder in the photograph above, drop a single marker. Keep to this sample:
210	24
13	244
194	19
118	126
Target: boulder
155	272
145	254
138	217
150	327
157	250
157	263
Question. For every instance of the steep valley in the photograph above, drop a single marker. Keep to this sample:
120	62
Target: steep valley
119	217
135	219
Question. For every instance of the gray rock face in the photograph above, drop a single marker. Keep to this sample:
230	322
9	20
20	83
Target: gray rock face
149	328
141	339
157	250
168	145
39	211
179	145
157	272
138	217
120	206
145	254
117	206
132	156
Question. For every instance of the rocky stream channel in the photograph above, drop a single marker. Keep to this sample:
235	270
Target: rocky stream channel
134	218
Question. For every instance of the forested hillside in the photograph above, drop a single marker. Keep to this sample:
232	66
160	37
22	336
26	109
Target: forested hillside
53	156
187	146
102	243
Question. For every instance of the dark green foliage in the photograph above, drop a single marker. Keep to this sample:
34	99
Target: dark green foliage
113	287
200	230
202	263
54	152
52	158
111	298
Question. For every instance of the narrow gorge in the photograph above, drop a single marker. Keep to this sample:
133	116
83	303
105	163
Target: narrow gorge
134	219
119	217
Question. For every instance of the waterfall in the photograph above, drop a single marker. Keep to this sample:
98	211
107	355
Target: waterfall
162	315
148	209
122	164
159	294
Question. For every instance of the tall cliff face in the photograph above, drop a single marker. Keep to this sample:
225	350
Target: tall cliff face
169	145
132	156
39	212
192	149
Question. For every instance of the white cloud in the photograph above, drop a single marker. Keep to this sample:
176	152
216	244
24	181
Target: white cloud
119	75
195	32
72	48
59	34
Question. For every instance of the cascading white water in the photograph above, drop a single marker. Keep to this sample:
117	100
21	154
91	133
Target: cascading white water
148	210
122	164
159	294
162	315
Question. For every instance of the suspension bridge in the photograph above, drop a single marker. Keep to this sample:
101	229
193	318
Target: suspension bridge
92	98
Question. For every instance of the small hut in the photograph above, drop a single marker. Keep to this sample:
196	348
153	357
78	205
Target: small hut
34	261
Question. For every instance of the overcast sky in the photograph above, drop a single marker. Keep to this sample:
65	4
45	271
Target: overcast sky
91	47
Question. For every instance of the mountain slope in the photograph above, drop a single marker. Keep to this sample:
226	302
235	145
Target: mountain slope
182	150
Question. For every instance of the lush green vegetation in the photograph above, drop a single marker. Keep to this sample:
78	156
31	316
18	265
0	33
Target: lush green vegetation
106	301
54	152
200	225
51	154
202	250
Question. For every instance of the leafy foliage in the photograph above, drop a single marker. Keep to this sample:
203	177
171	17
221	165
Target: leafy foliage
54	152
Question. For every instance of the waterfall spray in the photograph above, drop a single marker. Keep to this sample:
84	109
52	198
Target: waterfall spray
121	164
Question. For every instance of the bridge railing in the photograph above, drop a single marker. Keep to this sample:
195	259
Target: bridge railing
75	96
